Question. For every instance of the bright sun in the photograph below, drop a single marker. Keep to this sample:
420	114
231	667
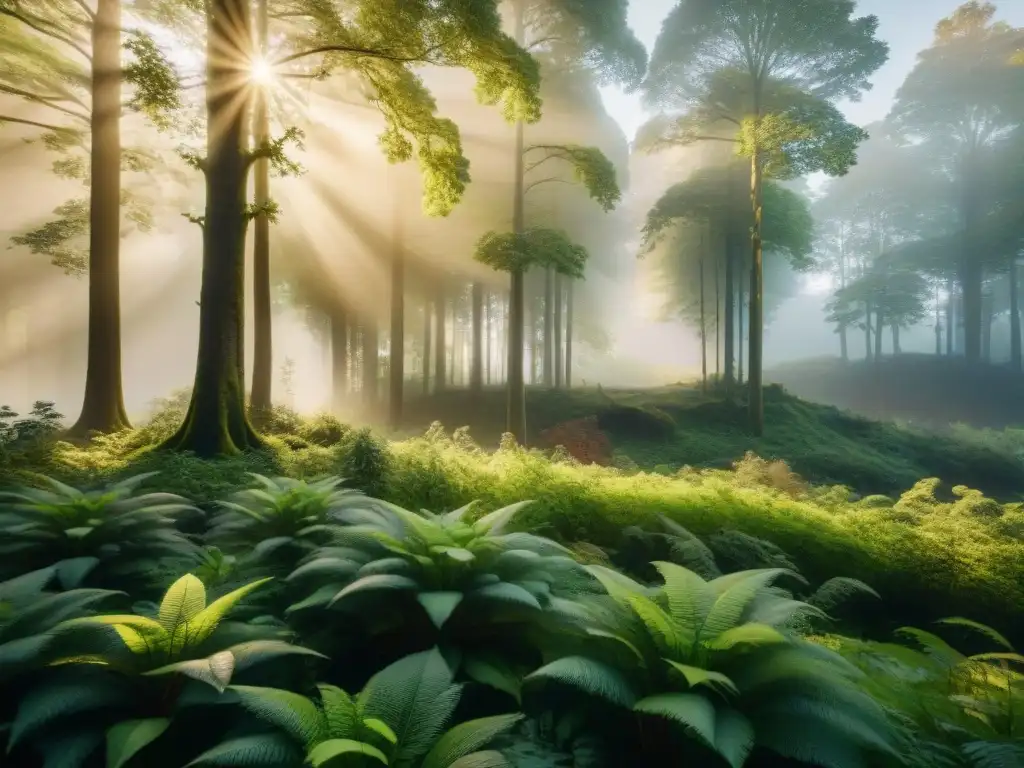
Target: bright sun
262	71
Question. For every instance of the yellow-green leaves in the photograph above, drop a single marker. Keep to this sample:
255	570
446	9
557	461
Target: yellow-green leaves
182	602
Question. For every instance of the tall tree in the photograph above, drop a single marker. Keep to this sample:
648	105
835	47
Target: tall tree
65	58
372	42
961	100
764	75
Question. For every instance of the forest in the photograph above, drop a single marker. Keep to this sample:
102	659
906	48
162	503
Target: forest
436	385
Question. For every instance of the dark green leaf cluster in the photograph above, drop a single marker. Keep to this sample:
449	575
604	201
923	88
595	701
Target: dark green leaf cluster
536	247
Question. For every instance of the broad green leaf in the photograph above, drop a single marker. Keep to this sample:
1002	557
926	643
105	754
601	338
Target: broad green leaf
50	701
264	750
689	596
71	573
587	675
326	751
206	621
466	738
746	634
693	712
340	712
980	628
379	726
215	670
487	759
619	586
670	637
296	715
126	739
458	554
253	652
728	608
182	602
493	672
384	581
734	737
696	676
494	523
507	593
439	605
70	748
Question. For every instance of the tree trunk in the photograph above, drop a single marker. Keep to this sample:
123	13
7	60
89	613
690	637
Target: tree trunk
476	373
339	360
718	327
426	347
440	340
1015	345
867	331
103	401
370	337
756	337
489	337
950	319
729	343
971	270
879	328
703	329
559	321
895	340
396	363
741	304
260	398
569	308
515	421
216	422
549	327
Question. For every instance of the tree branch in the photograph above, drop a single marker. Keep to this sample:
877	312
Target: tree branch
43	27
85	8
37	124
46	101
537	183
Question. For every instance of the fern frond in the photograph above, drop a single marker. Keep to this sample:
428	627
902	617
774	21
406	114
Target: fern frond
589	676
467	738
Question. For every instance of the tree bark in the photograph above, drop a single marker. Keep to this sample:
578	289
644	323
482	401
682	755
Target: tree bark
895	340
741	303
879	328
370	336
549	327
260	398
103	400
339	359
476	373
867	331
950	319
440	342
703	332
515	421
729	344
558	322
426	346
718	319
488	335
216	422
756	337
1015	338
396	367
569	317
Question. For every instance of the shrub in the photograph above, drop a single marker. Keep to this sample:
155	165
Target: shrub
628	422
582	439
323	429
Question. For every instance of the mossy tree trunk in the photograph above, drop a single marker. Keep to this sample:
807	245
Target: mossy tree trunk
103	402
216	422
260	399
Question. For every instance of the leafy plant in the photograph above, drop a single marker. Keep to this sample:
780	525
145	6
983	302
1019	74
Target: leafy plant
398	719
120	678
106	537
463	576
718	660
274	525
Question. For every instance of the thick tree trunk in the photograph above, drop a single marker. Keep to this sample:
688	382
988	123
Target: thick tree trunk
260	398
216	422
515	421
879	328
476	373
1015	345
867	331
396	364
558	322
103	402
895	340
440	342
339	359
756	336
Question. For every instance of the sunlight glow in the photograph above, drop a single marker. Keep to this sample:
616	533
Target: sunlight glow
262	71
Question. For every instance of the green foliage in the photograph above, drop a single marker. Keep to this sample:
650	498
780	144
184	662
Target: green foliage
155	85
590	168
535	247
103	537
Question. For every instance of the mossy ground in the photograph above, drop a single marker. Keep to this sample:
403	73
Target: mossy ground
930	553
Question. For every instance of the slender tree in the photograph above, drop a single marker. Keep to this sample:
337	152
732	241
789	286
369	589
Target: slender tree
764	75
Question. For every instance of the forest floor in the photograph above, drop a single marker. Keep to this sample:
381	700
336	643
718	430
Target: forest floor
670	427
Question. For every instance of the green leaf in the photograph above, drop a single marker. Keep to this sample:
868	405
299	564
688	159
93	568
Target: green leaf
458	554
734	737
340	712
439	605
328	750
980	628
182	602
746	634
735	598
206	621
507	593
379	726
693	712
58	698
689	597
587	675
215	670
488	759
71	573
383	581
466	738
253	652
70	748
294	714
264	750
496	674
126	739
696	676
494	523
